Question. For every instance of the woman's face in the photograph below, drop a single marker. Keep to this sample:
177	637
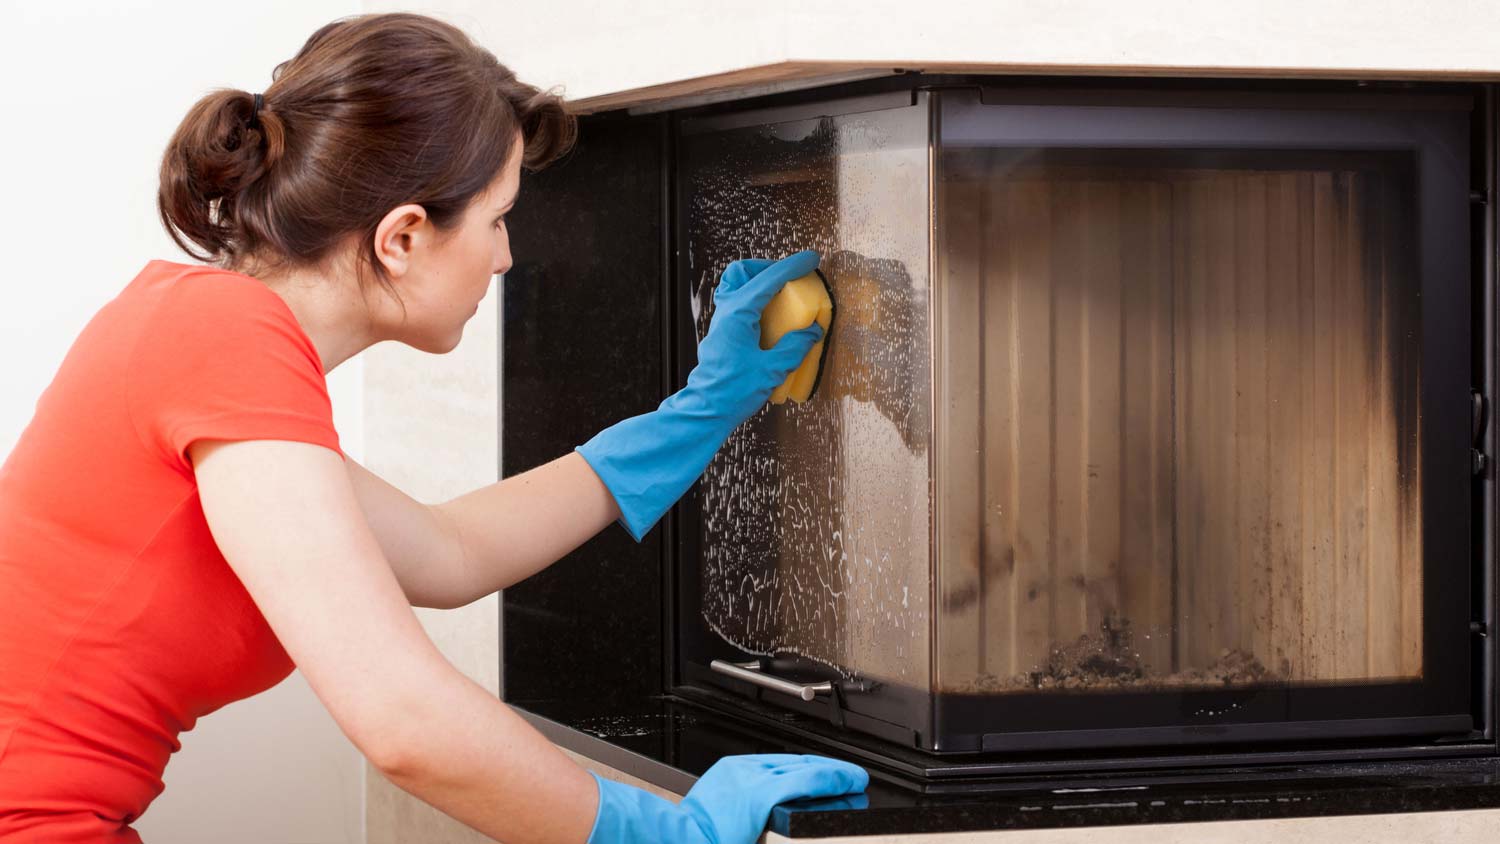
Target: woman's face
442	279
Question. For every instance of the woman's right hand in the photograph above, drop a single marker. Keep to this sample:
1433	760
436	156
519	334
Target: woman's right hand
734	374
728	805
647	462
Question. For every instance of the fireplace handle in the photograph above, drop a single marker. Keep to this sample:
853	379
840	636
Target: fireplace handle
750	672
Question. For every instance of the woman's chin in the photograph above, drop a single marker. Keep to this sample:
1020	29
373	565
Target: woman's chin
437	345
450	344
457	337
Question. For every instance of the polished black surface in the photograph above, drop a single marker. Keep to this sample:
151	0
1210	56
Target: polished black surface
580	350
670	742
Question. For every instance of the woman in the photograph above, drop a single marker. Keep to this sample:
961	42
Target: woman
178	528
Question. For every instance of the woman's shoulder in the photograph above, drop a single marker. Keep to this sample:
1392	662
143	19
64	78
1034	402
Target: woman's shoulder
218	355
173	283
203	305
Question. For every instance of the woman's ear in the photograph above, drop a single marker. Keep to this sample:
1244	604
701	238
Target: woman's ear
399	235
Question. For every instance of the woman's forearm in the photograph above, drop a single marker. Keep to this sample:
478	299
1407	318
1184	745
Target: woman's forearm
512	529
473	758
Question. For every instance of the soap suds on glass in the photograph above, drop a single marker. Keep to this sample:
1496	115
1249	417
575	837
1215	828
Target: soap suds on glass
815	517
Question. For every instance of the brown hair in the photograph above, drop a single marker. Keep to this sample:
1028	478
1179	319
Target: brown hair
373	112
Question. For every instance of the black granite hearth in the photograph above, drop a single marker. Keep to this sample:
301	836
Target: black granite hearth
670	742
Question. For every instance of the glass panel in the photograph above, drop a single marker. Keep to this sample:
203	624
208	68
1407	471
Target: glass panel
1179	438
815	517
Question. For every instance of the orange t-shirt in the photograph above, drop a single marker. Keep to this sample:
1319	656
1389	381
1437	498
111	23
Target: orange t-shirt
120	622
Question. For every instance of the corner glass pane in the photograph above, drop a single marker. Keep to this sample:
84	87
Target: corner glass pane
815	517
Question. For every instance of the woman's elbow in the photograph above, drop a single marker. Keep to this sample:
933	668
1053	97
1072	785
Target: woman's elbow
399	758
391	731
400	765
437	600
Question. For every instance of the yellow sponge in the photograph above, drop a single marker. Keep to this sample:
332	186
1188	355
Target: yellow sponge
799	303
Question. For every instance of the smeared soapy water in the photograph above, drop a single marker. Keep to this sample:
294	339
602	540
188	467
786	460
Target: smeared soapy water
815	517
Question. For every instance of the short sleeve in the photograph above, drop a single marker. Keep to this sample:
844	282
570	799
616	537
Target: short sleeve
222	357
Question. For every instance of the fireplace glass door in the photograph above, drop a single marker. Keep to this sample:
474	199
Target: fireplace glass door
1182	445
1145	421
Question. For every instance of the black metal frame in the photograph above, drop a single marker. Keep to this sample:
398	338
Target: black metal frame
1302	741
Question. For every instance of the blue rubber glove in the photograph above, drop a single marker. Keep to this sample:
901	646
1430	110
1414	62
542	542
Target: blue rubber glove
728	805
647	462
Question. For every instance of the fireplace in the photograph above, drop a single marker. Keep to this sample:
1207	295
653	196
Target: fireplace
1153	420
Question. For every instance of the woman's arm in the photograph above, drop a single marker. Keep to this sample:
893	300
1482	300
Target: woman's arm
286	518
515	528
450	554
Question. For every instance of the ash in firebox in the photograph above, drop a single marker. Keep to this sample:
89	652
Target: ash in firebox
1108	659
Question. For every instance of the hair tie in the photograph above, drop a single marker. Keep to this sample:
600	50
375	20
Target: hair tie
255	109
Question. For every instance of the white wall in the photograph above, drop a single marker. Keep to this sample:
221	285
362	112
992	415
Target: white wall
91	93
598	49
